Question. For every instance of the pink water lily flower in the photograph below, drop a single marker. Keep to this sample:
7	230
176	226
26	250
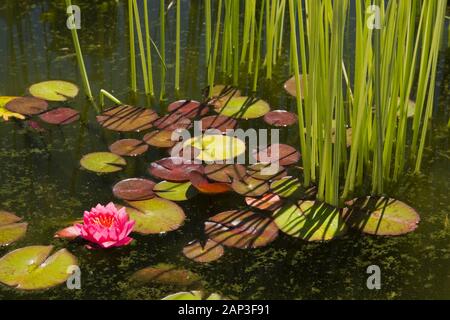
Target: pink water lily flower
106	226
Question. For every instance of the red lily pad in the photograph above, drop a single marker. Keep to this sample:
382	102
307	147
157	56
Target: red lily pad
280	118
203	253
225	172
188	108
174	169
381	216
173	122
126	118
134	189
60	116
201	183
221	123
282	153
128	147
27	105
250	187
241	229
269	202
160	139
69	233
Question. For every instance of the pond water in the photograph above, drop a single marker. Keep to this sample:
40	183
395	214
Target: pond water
41	179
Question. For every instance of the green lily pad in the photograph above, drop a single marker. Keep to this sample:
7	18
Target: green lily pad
103	162
31	268
266	172
54	90
155	216
175	191
209	252
165	274
244	108
241	229
8	218
311	221
213	147
288	187
10	228
194	295
250	187
410	108
381	216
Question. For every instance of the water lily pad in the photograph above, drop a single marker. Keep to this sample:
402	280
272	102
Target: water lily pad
60	116
128	147
311	221
155	215
291	86
12	232
54	90
218	122
381	216
181	191
282	153
348	136
225	172
221	94
27	106
280	118
8	218
11	229
165	274
201	183
174	169
216	147
126	118
266	171
244	108
173	121
203	253
103	162
134	189
194	295
250	187
160	139
288	187
31	268
188	108
241	229
268	201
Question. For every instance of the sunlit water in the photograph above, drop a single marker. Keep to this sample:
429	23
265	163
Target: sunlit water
41	179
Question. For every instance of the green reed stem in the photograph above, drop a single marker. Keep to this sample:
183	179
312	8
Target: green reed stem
177	47
162	17
148	44
103	94
80	60
141	47
132	47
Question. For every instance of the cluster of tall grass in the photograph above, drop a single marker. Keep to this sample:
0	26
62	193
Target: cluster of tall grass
393	55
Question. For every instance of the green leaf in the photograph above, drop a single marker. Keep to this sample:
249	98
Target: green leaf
309	220
175	191
381	216
155	216
55	90
103	162
31	268
165	274
244	108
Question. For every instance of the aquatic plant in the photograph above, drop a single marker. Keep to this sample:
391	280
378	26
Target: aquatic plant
106	226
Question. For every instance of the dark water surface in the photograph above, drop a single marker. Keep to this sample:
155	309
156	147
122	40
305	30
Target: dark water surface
41	179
